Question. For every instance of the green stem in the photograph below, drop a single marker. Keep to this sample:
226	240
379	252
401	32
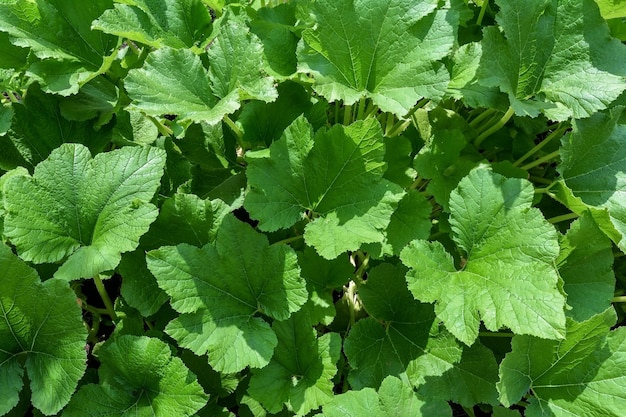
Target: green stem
133	47
336	113
540	180
361	109
105	297
483	9
398	128
371	109
288	240
12	96
347	115
620	299
557	133
541	160
495	334
562	218
497	126
482	116
164	130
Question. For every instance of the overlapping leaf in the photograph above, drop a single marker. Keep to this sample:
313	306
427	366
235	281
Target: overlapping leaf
580	376
335	179
296	377
546	57
41	331
399	333
593	163
220	289
174	81
386	50
60	35
394	398
158	23
86	211
507	277
139	376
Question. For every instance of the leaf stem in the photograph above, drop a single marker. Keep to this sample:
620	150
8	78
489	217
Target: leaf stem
361	108
164	130
541	160
105	297
482	116
556	133
620	299
562	218
347	115
495	334
288	240
481	15
12	96
493	129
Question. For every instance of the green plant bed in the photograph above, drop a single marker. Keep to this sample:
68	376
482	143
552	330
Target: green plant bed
339	208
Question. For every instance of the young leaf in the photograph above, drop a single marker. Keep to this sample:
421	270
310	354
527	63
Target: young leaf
398	332
158	23
509	277
544	49
296	377
394	398
580	376
59	34
174	80
585	264
593	164
42	332
338	178
220	289
86	210
387	50
139	377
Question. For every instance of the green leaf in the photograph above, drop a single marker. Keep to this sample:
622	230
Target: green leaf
336	178
581	375
138	377
59	34
389	51
508	277
35	141
394	398
593	162
546	58
158	23
220	288
469	382
87	211
41	331
399	331
175	81
586	266
299	378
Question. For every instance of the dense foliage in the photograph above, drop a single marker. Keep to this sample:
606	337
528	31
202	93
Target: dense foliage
329	207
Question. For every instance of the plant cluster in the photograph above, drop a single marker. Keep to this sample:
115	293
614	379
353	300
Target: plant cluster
330	207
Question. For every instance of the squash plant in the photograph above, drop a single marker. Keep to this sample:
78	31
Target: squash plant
329	207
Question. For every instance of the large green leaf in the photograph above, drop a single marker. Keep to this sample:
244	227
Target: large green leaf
41	330
395	338
507	276
582	375
157	23
221	288
87	211
59	34
138	377
174	81
586	266
387	50
393	399
335	179
299	378
547	58
593	166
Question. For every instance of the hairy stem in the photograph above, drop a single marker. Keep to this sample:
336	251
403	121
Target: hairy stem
562	218
555	134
